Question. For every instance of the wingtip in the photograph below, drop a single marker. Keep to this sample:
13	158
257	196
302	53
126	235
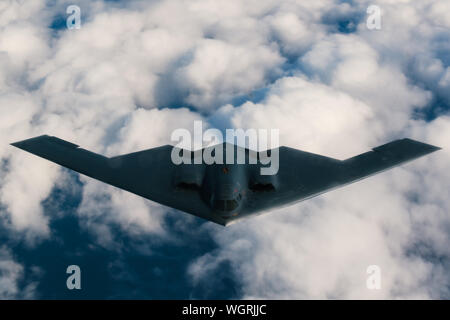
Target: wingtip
17	144
426	147
433	148
28	143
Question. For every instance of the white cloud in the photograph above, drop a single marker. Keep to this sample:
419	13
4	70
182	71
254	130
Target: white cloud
220	71
321	248
337	94
311	116
350	64
10	274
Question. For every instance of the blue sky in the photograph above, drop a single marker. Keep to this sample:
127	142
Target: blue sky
137	70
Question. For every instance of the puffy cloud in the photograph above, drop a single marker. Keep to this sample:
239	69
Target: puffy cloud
323	247
103	206
10	275
414	40
438	12
220	71
137	70
350	64
311	116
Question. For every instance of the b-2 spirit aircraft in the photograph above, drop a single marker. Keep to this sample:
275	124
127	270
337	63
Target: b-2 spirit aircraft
224	193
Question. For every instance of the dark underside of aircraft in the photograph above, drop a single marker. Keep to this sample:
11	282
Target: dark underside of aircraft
224	193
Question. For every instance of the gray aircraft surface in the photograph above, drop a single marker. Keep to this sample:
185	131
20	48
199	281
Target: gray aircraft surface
224	193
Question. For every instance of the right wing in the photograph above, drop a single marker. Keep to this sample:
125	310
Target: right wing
147	173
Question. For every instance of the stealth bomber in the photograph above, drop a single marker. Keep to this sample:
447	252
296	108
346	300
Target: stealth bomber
219	192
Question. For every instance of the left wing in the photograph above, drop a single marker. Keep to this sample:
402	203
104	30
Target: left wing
303	175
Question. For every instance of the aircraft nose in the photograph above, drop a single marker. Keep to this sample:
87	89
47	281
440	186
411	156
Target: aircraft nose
227	200
227	208
225	192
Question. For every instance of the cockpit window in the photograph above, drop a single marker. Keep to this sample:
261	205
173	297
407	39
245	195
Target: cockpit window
231	205
220	204
226	205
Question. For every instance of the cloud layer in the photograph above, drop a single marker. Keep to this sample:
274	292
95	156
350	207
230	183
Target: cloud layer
137	70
